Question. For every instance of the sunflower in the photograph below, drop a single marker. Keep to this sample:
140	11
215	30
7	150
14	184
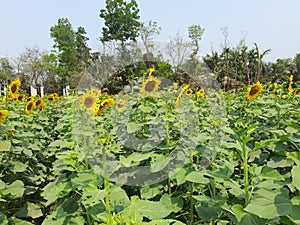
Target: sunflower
30	99
3	114
254	90
39	103
88	100
297	92
179	97
150	85
21	97
14	86
10	96
275	87
290	88
200	93
29	106
189	92
100	106
151	70
51	97
95	91
175	86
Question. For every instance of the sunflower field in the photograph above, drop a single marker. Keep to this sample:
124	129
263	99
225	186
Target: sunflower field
153	155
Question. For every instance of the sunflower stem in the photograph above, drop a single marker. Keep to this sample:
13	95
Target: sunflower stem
167	126
246	175
191	204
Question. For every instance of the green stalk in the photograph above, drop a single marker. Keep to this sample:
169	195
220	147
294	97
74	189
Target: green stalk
106	182
246	175
191	204
168	152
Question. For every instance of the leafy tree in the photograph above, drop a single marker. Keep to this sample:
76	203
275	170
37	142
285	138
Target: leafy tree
297	62
83	54
6	69
72	51
195	34
121	21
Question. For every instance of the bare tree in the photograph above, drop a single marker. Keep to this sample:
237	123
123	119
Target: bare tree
148	33
179	50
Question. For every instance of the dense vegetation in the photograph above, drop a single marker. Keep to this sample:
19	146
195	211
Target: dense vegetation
157	155
145	140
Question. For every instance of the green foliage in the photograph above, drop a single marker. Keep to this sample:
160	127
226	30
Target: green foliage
71	50
6	70
242	164
121	21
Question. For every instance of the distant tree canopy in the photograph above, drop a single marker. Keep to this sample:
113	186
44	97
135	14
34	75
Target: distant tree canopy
120	20
70	48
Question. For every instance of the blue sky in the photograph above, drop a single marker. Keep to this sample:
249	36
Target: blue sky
272	24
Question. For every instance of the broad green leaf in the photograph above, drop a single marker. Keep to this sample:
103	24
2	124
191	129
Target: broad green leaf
159	162
295	215
18	167
295	156
280	162
145	109
135	158
197	177
92	197
296	176
150	209
234	188
208	213
78	220
148	192
245	218
180	176
52	220
270	204
163	222
56	143
83	179
30	210
172	203
266	172
117	197
20	222
53	190
5	146
16	189
3	219
133	127
264	143
133	214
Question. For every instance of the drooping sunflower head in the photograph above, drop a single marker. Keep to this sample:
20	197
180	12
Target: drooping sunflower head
100	106
21	97
200	93
39	103
150	86
29	106
51	97
290	86
3	114
254	90
14	86
175	86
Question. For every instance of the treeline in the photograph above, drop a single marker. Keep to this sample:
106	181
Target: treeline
128	49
